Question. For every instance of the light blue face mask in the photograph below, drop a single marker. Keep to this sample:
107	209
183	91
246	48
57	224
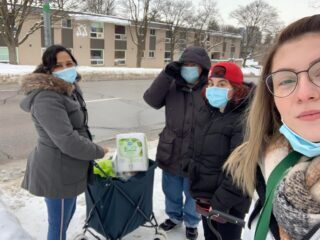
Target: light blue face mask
217	97
300	144
190	74
69	74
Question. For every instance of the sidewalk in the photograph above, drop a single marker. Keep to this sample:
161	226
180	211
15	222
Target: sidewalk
31	210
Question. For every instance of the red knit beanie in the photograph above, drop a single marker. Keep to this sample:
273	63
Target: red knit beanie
227	70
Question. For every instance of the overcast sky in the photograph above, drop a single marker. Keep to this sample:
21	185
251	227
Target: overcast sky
289	10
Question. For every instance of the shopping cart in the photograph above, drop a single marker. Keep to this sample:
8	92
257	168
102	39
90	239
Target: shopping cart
116	207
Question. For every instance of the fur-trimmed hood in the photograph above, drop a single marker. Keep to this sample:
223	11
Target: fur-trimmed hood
32	84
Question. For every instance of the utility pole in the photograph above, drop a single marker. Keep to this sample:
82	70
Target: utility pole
47	24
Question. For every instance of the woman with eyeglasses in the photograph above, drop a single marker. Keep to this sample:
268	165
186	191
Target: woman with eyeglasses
58	167
215	136
280	156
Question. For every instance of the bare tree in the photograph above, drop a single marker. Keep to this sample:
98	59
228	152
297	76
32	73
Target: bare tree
176	15
12	17
257	18
13	14
140	15
106	7
206	12
214	25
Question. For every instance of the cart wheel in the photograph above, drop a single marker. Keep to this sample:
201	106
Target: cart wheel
160	235
81	236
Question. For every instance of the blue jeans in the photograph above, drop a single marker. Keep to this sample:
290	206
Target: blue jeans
173	187
60	212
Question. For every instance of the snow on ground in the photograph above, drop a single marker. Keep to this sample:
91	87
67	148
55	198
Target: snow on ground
24	69
6	69
31	210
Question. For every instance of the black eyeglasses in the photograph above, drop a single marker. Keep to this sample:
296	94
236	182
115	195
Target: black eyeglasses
282	83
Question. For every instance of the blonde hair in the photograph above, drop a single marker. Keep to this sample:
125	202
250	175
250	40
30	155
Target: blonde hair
263	119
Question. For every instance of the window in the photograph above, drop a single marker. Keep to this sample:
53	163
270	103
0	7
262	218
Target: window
168	37
66	23
167	57
96	56
97	30
182	41
152	54
119	57
233	48
120	33
152	32
215	55
121	37
4	55
224	47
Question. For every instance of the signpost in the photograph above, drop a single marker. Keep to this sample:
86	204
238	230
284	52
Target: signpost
47	24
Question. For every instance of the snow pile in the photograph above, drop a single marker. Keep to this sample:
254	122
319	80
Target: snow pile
6	69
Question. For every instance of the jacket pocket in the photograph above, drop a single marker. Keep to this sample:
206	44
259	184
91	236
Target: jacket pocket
165	147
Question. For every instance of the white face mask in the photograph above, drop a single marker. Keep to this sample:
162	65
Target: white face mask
300	144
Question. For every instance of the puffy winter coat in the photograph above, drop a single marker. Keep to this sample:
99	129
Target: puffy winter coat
181	102
215	137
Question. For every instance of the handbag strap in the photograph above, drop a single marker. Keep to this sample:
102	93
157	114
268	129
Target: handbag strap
273	180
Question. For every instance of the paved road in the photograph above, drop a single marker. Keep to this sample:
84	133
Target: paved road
114	107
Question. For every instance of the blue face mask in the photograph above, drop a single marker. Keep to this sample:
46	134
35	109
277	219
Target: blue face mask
69	74
300	144
190	74
217	97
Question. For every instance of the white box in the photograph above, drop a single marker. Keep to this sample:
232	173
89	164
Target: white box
132	153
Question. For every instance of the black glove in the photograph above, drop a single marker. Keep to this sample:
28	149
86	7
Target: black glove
173	70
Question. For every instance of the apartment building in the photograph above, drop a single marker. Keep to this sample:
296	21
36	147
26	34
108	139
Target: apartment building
98	40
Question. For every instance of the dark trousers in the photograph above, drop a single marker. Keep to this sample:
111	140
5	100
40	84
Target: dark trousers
228	231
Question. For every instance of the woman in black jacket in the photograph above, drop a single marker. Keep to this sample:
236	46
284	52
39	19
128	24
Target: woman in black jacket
215	136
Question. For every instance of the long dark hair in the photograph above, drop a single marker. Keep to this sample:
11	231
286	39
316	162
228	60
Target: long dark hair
49	58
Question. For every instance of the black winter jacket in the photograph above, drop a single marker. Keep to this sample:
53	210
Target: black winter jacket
215	137
181	102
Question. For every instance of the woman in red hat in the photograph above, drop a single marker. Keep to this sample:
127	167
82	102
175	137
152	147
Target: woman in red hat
215	136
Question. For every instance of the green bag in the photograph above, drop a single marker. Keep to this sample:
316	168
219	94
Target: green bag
106	166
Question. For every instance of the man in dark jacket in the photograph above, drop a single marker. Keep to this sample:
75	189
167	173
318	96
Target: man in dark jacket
178	88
